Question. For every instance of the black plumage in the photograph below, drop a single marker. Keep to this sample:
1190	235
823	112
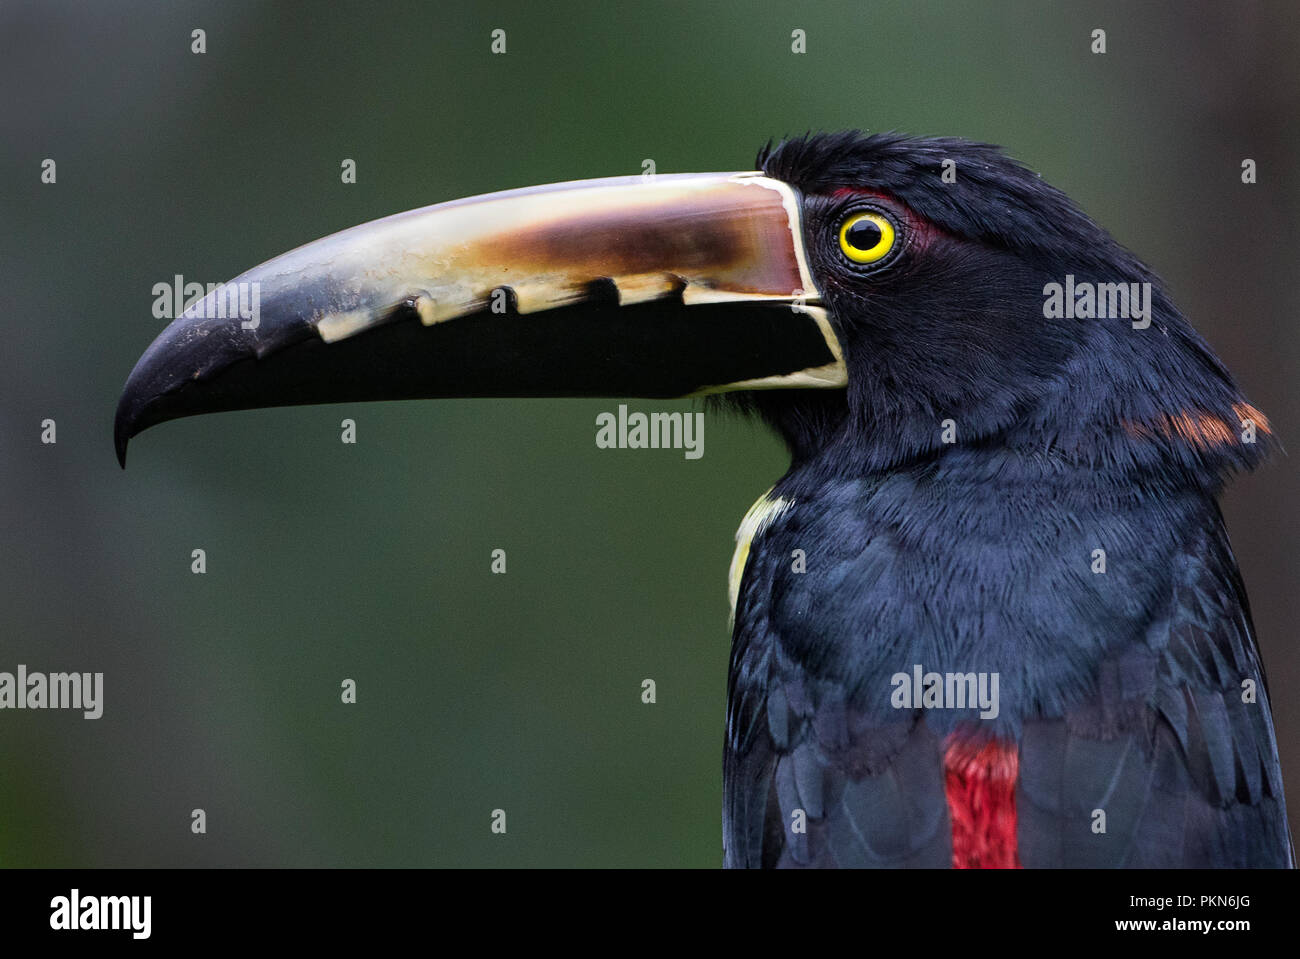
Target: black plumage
1120	691
982	483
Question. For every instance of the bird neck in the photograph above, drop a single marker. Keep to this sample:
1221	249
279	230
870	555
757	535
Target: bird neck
1153	407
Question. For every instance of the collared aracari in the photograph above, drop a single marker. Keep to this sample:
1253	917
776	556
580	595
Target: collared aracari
990	616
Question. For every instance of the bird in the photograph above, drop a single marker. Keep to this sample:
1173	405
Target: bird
990	616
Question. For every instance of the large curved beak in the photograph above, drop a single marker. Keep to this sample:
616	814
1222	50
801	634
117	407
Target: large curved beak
661	287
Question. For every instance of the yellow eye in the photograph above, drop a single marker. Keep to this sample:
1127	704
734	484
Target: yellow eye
867	237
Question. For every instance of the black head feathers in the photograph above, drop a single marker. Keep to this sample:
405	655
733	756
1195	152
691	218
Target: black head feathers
963	327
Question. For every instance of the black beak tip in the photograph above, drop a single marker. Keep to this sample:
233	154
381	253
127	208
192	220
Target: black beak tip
137	410
123	427
150	394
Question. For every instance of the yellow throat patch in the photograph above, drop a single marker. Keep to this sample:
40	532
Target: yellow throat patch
760	516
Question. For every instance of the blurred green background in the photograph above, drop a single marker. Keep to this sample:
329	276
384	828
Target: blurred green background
325	561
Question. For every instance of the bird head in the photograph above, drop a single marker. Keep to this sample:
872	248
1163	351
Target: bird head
991	303
879	299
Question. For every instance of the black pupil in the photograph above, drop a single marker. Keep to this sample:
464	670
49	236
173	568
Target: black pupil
864	235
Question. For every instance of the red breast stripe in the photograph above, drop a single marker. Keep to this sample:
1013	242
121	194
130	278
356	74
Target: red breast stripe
980	783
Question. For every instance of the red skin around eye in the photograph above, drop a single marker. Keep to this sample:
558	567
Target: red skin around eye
920	230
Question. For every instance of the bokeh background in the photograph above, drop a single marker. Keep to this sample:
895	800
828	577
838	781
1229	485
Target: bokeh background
326	561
